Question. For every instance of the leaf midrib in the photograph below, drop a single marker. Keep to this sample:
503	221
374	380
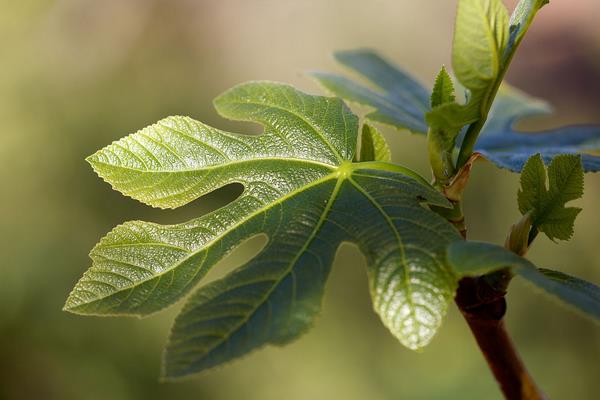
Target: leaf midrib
554	200
206	246
215	166
390	223
318	225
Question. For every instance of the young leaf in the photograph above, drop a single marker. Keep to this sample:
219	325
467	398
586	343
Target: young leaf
547	205
445	122
373	146
481	67
478	258
398	99
520	20
443	89
302	191
509	148
480	37
484	43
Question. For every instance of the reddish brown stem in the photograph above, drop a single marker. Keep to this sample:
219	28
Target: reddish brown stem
482	301
483	307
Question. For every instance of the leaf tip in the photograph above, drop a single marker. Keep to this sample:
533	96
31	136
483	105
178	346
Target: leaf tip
66	307
343	56
74	304
92	159
71	306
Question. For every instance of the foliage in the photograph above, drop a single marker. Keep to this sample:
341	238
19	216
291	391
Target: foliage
399	100
509	148
373	146
547	205
308	188
302	191
477	258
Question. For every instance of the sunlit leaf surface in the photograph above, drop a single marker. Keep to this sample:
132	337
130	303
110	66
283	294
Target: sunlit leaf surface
301	190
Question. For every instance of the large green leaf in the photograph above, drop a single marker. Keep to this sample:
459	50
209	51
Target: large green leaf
500	142
397	98
485	40
478	258
546	203
302	191
507	147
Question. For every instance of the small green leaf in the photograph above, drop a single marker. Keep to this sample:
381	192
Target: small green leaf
520	20
547	205
443	89
300	190
373	146
478	258
445	121
518	239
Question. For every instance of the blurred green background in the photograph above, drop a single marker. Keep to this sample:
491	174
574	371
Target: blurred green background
78	74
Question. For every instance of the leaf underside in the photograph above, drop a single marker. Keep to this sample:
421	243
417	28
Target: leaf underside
302	191
397	98
510	148
499	142
478	258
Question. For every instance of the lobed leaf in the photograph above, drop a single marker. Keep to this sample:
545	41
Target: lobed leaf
178	159
546	205
397	98
500	142
510	148
478	258
485	40
274	298
302	191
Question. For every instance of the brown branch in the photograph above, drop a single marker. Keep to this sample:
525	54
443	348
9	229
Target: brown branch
483	307
482	303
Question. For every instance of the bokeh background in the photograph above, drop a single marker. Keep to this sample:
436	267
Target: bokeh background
78	74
